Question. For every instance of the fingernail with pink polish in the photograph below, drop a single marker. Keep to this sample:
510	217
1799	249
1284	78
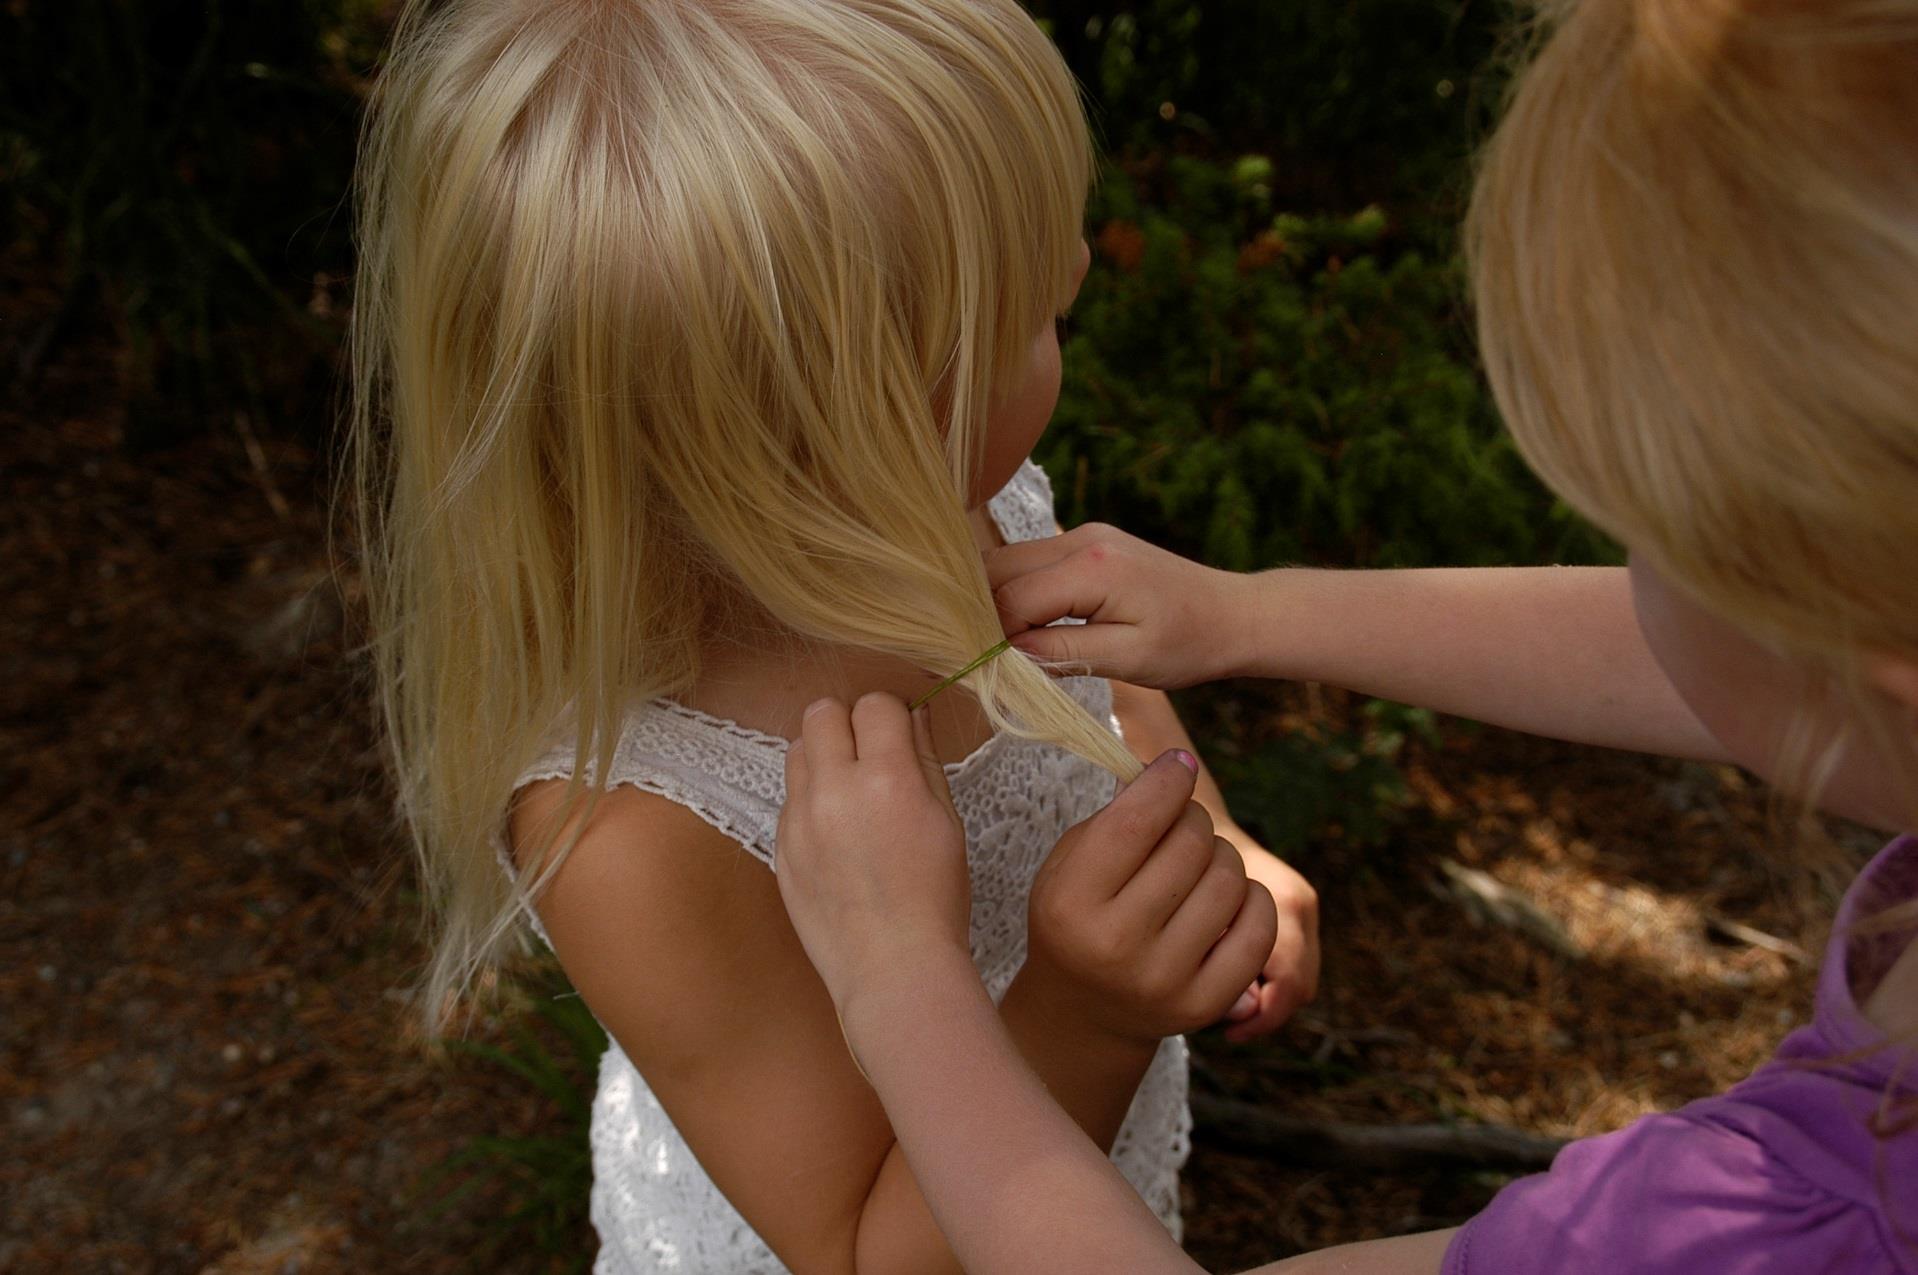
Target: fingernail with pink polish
1187	760
1245	1006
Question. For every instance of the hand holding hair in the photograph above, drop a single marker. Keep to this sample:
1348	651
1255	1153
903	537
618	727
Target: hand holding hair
870	856
1152	618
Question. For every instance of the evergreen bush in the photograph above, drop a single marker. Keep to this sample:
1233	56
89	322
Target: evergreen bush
1299	391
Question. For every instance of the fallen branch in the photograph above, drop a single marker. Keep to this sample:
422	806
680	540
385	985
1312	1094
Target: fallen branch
1742	933
1242	1126
1486	899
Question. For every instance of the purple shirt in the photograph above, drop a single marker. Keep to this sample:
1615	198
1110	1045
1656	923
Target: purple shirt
1781	1174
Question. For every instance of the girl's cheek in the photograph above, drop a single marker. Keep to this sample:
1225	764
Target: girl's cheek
1713	677
1750	699
1017	422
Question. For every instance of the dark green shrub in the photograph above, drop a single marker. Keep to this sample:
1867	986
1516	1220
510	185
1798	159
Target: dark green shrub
1306	393
180	170
1356	102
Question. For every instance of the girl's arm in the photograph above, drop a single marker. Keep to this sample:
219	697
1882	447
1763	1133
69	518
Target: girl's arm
1014	1183
680	944
682	947
1289	978
878	898
1553	651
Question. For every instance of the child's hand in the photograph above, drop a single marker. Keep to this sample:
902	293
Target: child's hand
1152	617
1289	979
1142	924
870	856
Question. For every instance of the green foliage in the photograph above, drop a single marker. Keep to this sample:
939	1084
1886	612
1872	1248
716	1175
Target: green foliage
545	1179
1356	101
1255	389
181	169
1293	788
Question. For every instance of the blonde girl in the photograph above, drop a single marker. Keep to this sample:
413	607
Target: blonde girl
700	347
1695	249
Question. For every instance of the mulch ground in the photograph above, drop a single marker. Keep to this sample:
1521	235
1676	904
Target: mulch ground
206	931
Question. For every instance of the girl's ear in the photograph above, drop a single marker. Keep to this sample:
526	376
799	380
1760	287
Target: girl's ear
1896	676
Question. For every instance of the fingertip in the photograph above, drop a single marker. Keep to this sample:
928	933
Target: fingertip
1176	767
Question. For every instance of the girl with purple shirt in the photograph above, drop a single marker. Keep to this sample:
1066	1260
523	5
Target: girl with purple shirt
1695	256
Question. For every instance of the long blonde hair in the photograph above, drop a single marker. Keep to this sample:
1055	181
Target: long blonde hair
669	302
1694	242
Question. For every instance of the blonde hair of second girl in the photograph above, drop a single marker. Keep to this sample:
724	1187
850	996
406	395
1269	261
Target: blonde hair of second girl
1695	250
665	303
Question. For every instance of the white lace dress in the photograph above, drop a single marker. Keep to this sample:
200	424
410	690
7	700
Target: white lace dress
653	1205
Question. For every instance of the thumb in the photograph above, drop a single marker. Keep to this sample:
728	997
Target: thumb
1070	648
929	763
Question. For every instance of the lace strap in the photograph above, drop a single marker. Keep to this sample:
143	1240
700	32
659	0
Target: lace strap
730	776
1023	507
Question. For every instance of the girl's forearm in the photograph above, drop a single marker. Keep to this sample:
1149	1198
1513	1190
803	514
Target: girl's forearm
1015	1184
1092	1079
1553	651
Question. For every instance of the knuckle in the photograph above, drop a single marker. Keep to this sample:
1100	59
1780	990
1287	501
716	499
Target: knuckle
1229	890
1199	816
1053	916
1264	915
1125	824
1158	986
1289	998
1197	1006
1105	951
884	788
1194	846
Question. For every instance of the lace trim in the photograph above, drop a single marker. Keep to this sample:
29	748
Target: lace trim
727	726
680	794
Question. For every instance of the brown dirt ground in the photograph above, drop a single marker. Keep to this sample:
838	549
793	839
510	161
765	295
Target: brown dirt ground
206	935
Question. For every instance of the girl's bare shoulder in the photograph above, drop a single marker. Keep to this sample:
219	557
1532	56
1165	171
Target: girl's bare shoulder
634	850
